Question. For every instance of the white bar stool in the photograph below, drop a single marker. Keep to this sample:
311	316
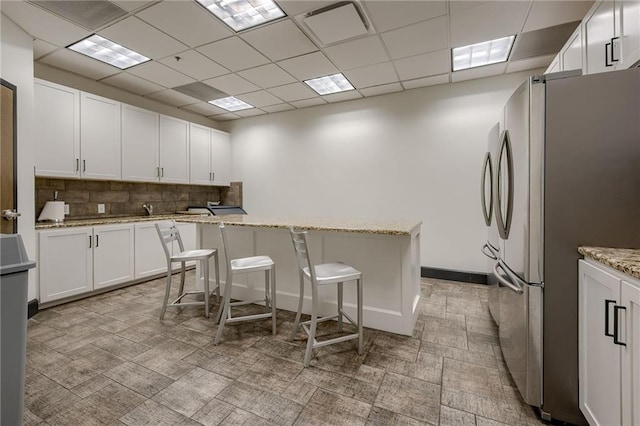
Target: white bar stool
241	266
168	233
326	273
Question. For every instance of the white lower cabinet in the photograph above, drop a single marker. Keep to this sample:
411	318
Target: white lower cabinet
609	345
149	256
112	255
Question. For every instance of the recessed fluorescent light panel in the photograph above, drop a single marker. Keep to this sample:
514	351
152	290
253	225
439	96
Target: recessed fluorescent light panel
231	103
479	54
243	14
330	84
107	51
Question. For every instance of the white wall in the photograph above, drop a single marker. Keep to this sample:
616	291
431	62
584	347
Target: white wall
16	67
415	154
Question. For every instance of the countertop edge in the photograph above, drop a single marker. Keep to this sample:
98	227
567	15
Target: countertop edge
624	260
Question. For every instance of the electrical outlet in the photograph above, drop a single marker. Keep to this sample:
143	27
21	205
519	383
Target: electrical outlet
66	209
100	208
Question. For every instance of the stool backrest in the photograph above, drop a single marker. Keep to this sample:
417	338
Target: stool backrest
168	233
301	249
223	234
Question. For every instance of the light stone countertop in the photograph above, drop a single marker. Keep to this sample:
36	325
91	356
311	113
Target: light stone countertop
363	226
623	260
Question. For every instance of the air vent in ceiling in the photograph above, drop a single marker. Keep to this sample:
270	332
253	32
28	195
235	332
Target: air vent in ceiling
201	91
93	14
335	23
541	42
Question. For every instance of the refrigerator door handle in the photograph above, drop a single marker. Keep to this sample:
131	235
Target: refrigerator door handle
486	250
504	222
513	286
487	212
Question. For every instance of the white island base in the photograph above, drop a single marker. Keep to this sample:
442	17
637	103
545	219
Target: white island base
389	262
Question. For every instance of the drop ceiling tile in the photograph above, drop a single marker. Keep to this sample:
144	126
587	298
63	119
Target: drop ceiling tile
419	38
267	76
205	109
186	21
260	99
250	112
357	53
456	6
43	25
308	102
381	90
130	5
480	72
387	15
79	64
225	117
143	38
160	74
549	13
132	83
195	65
278	108
295	7
427	81
530	63
280	40
487	22
343	96
41	48
174	98
231	84
293	92
308	66
427	64
233	53
373	75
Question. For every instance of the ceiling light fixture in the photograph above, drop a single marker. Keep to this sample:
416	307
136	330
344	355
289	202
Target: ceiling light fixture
231	103
109	52
479	54
243	14
330	84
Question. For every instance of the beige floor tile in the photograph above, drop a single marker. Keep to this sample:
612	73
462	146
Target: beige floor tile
452	417
213	412
381	417
326	408
138	378
412	397
446	336
343	385
241	417
152	413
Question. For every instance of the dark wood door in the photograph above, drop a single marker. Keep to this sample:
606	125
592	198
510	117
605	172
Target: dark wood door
8	165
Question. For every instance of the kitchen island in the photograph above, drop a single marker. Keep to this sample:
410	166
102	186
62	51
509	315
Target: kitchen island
387	253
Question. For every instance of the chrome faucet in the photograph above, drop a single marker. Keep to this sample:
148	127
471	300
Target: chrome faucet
148	208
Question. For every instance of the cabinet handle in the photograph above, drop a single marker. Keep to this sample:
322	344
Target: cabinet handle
84	165
614	43
616	330
213	175
210	176
77	164
97	240
157	171
90	241
161	171
606	317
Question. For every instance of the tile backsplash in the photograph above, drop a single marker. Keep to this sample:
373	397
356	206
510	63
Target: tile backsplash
127	198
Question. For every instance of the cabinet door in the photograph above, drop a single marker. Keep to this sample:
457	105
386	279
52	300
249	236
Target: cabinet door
599	357
630	299
112	255
174	150
100	137
220	157
599	30
149	256
629	32
65	263
200	154
571	53
56	130
140	144
554	66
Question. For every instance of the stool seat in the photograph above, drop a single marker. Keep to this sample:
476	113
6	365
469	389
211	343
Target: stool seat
189	255
253	263
330	273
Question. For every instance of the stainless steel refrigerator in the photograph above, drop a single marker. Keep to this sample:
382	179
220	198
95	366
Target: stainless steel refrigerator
567	174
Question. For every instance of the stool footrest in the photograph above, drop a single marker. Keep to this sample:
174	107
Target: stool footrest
246	303
317	344
249	317
187	304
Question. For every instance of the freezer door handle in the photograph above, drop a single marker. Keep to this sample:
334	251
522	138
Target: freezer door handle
616	329
607	309
486	250
505	279
503	219
487	211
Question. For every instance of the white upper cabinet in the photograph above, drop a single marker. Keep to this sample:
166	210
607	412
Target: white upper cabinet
100	137
200	155
56	130
628	31
140	144
599	31
220	158
174	150
554	66
571	53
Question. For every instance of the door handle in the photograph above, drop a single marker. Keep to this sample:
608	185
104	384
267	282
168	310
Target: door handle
606	317
616	330
504	221
487	212
11	214
161	171
511	286
97	240
90	245
77	164
486	250
84	165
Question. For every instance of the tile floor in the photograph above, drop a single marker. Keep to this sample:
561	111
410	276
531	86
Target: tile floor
109	360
